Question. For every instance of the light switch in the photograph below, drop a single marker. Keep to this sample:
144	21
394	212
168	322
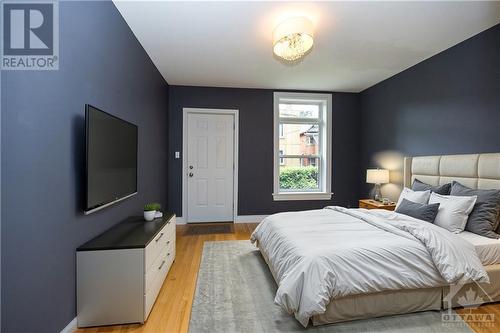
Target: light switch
177	154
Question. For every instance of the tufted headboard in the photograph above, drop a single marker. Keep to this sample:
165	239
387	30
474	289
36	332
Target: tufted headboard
473	170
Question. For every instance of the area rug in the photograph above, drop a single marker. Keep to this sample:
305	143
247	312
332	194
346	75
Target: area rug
235	293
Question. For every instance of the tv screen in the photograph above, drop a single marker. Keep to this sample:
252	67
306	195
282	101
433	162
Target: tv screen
111	159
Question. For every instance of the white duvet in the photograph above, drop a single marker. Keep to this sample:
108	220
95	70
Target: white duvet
324	254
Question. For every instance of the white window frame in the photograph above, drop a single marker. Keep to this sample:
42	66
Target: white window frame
282	160
325	145
281	135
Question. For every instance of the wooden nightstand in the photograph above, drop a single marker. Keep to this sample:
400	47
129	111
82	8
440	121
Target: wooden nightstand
372	204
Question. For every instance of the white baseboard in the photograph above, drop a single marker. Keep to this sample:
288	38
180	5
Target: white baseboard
249	218
238	219
71	327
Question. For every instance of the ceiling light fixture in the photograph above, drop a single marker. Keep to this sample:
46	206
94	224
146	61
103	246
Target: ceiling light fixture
293	38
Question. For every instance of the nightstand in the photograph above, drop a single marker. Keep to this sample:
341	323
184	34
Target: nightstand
372	204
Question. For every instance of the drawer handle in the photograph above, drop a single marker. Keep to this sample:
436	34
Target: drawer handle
168	242
161	235
168	254
162	263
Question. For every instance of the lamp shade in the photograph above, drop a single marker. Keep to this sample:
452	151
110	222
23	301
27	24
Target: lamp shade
377	176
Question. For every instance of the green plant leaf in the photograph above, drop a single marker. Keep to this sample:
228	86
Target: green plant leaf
299	178
152	206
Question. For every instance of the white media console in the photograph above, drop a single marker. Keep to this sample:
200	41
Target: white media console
120	272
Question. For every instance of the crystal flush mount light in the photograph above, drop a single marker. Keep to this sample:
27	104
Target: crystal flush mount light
293	38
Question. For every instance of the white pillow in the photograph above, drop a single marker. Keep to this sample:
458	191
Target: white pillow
453	211
421	197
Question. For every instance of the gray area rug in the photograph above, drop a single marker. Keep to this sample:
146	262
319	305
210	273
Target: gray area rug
235	293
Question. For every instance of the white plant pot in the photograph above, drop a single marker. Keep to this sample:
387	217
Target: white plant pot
149	215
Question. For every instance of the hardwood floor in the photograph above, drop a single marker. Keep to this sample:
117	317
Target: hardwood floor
172	310
475	322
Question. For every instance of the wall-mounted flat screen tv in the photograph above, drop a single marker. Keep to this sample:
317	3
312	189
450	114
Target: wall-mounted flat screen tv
111	159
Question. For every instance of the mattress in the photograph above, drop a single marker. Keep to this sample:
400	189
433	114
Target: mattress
488	249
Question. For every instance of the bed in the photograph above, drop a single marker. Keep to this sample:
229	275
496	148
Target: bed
371	259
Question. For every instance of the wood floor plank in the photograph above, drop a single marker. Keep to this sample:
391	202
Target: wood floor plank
477	323
172	309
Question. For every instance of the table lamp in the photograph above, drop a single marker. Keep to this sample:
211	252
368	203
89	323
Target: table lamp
377	177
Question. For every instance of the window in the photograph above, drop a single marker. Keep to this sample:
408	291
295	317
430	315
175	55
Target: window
281	131
302	129
311	140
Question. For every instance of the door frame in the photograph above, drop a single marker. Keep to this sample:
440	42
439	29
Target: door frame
185	112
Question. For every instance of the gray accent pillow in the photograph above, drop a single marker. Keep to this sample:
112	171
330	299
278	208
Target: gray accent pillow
440	189
483	220
419	211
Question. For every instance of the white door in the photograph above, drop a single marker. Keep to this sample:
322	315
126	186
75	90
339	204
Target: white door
210	152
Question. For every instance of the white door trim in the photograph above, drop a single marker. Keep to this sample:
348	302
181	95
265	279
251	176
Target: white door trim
185	112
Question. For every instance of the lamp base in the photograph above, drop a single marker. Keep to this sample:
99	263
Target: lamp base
377	193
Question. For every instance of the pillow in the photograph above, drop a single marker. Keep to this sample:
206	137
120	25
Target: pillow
483	220
440	189
415	196
419	211
453	211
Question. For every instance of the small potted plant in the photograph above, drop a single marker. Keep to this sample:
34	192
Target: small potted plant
150	210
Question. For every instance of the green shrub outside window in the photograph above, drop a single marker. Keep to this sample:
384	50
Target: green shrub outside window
299	178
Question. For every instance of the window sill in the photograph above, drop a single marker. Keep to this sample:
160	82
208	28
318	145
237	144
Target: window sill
302	196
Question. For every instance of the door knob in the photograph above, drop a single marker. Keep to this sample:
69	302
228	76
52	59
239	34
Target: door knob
190	174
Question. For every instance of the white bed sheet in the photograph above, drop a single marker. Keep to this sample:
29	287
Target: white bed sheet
487	249
325	254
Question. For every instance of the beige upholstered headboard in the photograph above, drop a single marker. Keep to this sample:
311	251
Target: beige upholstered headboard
473	170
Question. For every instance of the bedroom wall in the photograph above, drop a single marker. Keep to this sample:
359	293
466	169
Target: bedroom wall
43	155
447	104
255	180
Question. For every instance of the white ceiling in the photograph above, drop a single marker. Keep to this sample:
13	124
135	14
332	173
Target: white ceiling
357	44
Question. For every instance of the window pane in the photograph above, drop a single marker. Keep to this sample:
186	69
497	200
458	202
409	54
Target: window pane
299	174
299	110
299	139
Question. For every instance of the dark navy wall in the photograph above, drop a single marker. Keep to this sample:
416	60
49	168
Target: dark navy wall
255	182
447	104
43	158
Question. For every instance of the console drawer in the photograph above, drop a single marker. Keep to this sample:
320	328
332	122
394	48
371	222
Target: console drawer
158	266
157	282
170	227
164	237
